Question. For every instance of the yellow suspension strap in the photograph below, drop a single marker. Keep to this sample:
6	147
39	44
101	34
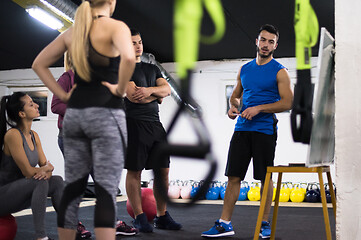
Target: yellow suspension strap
187	26
306	32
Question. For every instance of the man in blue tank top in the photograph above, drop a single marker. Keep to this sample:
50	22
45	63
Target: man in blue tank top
263	89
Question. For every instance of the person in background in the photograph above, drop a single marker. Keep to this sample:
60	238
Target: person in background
146	89
94	127
26	178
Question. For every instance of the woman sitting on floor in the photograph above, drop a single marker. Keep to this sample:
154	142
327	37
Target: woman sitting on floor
22	184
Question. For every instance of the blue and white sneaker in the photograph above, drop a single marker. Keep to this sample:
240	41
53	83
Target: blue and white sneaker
265	230
219	229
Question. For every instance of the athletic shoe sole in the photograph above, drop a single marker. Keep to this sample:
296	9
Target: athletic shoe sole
264	237
167	228
219	235
125	234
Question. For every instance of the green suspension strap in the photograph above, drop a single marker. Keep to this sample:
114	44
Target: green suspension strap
306	32
187	25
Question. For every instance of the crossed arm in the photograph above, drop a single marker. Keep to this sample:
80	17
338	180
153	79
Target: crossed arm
144	95
14	147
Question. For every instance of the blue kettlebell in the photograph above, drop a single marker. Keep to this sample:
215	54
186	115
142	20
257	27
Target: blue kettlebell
195	187
200	184
243	191
242	194
213	192
223	190
247	186
219	188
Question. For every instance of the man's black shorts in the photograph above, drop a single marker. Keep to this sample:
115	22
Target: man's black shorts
143	136
246	145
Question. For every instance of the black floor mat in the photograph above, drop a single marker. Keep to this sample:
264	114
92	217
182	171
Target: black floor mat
294	223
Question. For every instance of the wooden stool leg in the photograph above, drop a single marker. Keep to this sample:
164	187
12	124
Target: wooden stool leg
332	192
324	205
262	206
275	208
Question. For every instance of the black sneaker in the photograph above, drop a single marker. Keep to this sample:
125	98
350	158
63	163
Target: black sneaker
82	233
166	222
141	223
124	229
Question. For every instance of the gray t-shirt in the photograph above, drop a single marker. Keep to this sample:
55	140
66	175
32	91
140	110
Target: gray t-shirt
9	171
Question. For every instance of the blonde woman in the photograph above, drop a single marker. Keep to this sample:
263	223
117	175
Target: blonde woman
66	81
94	127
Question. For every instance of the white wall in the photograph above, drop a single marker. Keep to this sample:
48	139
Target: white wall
208	89
348	118
47	126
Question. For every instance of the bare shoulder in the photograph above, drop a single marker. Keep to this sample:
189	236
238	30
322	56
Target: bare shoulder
117	22
240	69
283	71
283	74
117	25
67	35
36	136
239	73
12	135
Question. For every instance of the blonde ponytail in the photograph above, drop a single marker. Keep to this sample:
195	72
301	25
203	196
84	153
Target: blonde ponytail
79	45
68	65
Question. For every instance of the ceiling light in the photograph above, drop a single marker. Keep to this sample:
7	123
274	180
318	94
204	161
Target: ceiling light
62	10
57	11
45	18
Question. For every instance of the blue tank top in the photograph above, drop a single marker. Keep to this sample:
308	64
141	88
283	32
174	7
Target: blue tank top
9	171
259	84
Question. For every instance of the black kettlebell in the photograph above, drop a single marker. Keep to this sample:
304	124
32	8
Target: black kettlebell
328	193
313	193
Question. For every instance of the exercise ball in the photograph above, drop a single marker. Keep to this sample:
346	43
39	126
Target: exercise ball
148	204
8	227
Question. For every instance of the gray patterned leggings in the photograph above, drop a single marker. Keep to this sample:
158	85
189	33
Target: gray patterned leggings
93	138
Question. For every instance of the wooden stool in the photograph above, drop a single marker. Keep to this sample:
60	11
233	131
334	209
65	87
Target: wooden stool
291	169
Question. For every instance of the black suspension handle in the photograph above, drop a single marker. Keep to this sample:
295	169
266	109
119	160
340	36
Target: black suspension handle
301	114
199	151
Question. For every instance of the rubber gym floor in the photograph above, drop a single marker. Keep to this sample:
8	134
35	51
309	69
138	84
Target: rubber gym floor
296	221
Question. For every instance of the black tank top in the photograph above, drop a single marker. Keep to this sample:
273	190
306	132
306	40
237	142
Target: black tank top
93	93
